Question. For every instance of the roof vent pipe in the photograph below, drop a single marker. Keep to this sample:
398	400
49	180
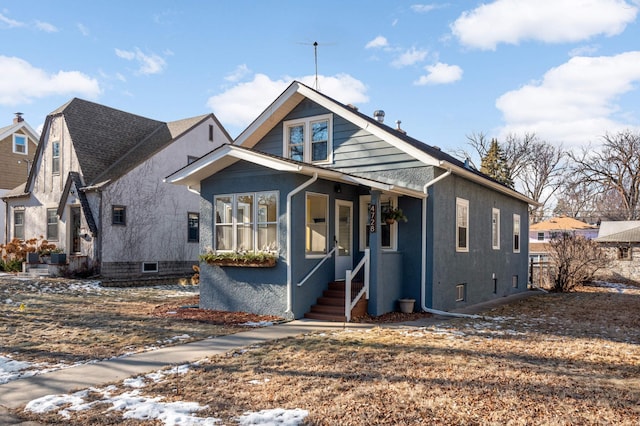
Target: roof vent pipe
379	115
398	122
18	118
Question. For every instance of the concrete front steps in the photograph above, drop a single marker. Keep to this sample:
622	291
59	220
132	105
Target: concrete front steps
330	307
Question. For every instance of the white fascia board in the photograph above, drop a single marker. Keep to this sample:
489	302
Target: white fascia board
269	117
23	124
264	160
460	171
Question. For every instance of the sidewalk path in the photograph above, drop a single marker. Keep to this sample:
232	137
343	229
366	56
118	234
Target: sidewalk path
19	392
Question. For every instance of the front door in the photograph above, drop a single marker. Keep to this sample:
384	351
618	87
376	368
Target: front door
75	230
344	238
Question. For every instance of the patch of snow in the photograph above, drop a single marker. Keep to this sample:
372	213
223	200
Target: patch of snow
132	404
276	416
257	324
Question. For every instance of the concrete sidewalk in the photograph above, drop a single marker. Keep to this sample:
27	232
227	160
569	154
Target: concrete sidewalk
19	392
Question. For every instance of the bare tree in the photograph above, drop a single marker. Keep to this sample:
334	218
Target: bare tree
614	167
535	166
541	173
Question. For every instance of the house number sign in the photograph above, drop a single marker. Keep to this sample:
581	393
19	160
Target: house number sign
372	218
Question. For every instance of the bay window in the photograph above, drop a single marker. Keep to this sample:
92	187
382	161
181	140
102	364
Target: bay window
246	222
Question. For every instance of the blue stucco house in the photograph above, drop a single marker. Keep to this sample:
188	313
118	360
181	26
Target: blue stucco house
313	179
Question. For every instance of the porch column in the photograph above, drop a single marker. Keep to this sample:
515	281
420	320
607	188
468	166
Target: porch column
375	305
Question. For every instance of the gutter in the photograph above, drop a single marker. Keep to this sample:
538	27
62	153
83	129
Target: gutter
423	278
289	269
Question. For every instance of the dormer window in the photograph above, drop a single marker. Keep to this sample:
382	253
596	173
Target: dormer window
309	139
20	144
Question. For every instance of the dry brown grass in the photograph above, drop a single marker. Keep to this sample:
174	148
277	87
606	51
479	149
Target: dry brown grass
66	321
559	359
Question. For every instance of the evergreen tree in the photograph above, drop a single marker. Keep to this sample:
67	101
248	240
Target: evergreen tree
494	164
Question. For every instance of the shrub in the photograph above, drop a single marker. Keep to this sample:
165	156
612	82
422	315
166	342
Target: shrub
574	261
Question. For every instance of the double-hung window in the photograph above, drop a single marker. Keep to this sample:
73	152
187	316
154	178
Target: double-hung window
516	233
55	157
18	224
52	224
462	225
495	229
20	144
246	222
309	139
193	227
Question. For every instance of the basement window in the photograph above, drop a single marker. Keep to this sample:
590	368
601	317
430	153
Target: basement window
514	281
461	292
150	267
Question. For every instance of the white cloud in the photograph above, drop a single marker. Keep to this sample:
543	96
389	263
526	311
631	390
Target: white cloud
148	64
426	8
409	57
46	27
587	50
377	42
9	23
440	73
83	29
550	21
575	102
21	82
241	104
238	74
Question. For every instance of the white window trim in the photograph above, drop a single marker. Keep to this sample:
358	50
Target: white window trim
26	144
365	200
517	231
234	220
495	225
461	202
307	121
326	222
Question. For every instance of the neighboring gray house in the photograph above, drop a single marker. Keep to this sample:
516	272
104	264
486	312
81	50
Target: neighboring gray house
312	178
621	242
96	190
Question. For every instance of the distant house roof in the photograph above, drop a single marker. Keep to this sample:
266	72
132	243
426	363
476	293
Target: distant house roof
109	142
561	223
21	125
622	231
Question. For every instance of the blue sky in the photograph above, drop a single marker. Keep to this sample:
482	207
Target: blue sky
567	70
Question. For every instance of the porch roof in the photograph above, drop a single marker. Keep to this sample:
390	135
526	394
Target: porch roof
226	155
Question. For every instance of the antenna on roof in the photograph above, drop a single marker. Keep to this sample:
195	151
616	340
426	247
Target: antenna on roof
315	57
315	44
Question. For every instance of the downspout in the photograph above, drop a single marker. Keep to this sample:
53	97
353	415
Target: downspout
423	278
289	270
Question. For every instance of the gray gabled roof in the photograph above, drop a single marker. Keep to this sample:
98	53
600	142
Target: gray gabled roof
109	143
628	236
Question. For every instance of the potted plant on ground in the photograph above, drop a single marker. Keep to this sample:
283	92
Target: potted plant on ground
58	256
392	216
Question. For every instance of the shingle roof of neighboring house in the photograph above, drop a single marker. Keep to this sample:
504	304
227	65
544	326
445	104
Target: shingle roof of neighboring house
109	142
628	236
562	223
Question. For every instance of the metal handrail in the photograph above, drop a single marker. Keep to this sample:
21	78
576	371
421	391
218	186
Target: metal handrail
349	304
327	256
